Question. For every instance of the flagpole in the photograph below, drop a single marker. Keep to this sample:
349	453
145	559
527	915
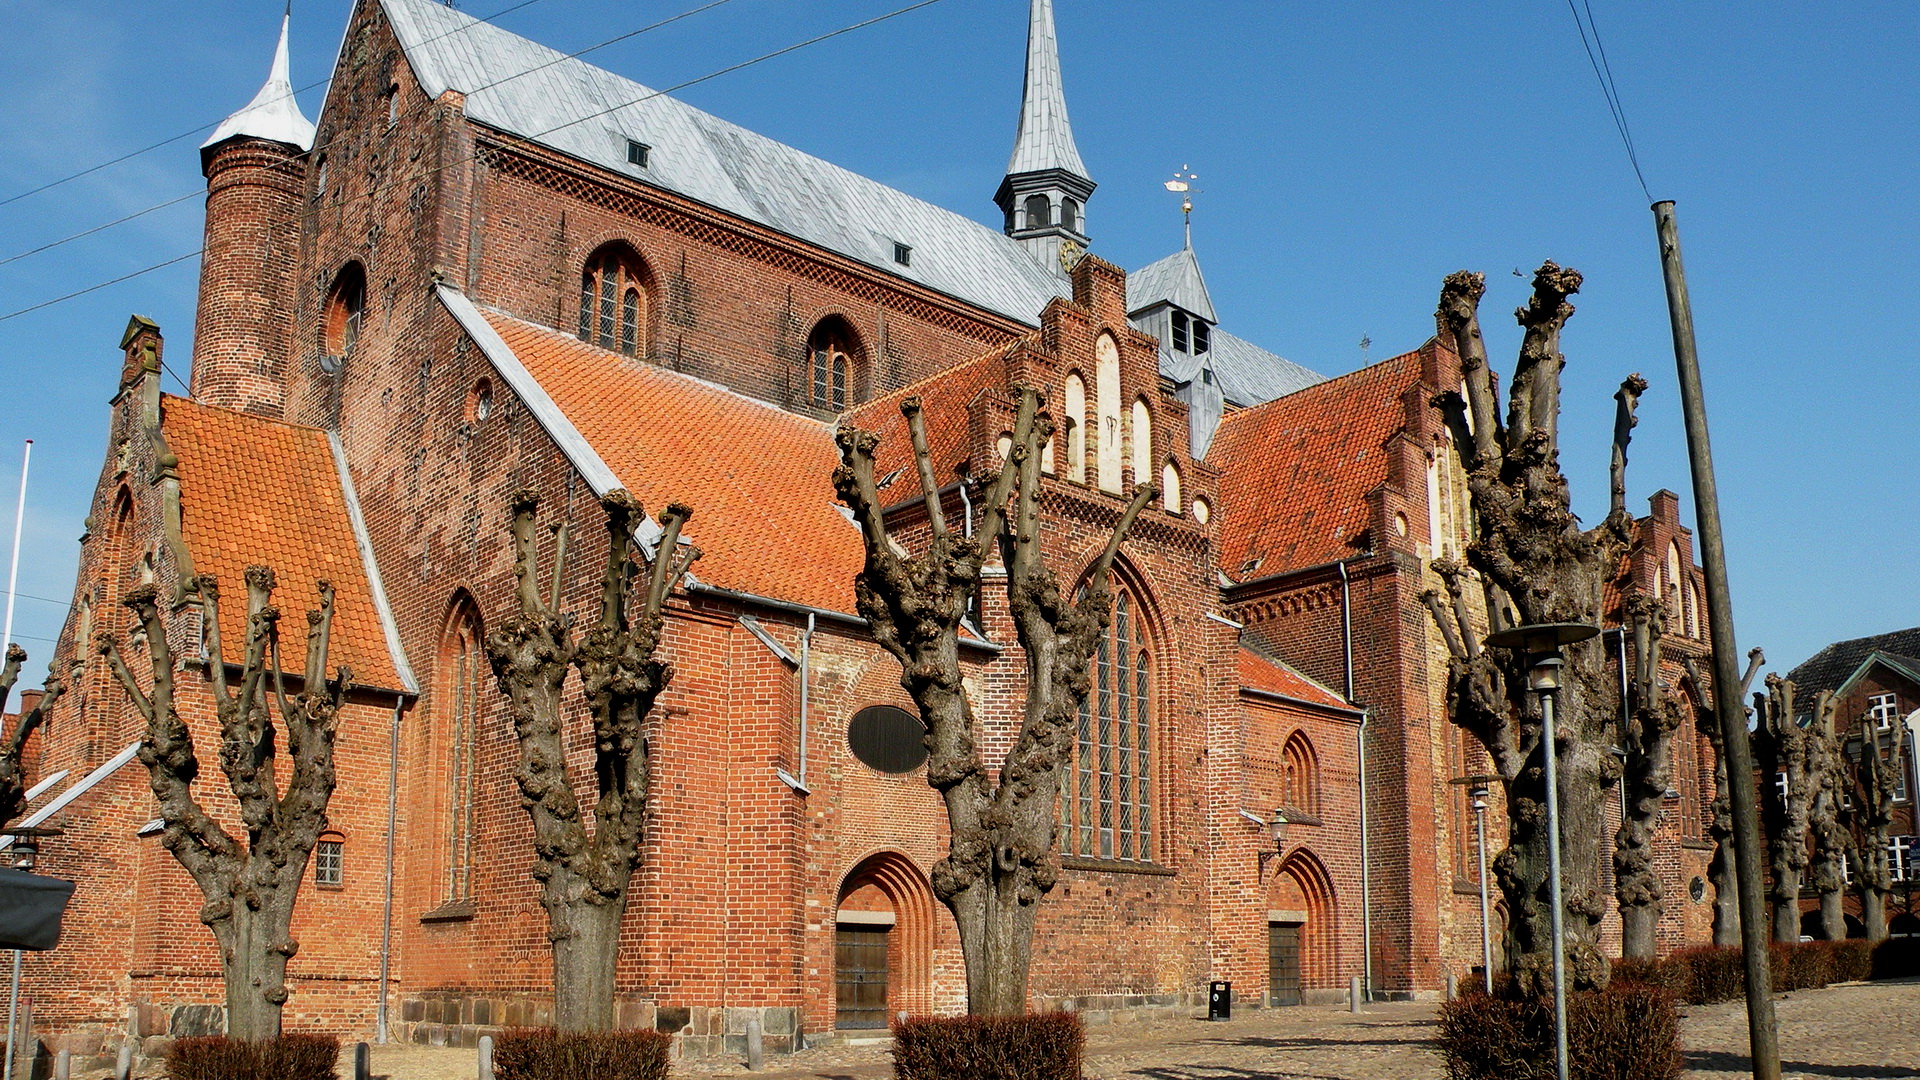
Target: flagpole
13	572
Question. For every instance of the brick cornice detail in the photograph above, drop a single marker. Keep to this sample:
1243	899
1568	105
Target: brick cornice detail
697	222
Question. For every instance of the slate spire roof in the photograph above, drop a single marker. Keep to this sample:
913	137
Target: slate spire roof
273	114
1174	280
1045	138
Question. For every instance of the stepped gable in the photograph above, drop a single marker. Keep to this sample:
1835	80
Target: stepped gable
1296	471
1832	666
946	402
526	89
1259	671
759	479
261	492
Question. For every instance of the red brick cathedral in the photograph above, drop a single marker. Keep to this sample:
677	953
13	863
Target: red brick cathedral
490	267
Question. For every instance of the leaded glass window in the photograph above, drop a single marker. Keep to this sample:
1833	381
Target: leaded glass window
612	302
1106	800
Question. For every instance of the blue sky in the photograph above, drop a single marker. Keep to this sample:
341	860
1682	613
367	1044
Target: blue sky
1350	155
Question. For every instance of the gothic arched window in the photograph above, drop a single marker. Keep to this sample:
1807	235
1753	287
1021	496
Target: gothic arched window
458	694
1076	428
1039	212
613	301
1106	801
346	309
832	365
1300	768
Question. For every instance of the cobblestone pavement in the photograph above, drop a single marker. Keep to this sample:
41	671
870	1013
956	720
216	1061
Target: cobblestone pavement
1869	1032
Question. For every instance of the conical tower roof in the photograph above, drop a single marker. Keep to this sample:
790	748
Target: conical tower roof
273	114
1045	139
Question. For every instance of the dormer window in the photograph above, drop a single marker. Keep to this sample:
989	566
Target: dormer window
638	153
902	254
1190	335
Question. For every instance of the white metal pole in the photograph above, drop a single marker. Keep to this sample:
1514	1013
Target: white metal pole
1486	933
1553	881
13	1011
13	573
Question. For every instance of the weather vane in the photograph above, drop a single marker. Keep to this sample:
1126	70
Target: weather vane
1182	183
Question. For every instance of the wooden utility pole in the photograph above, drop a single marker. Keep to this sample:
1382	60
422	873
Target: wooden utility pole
1762	1034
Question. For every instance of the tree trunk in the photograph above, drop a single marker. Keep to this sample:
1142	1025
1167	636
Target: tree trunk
1532	564
1652	716
1721	868
586	953
1721	873
1002	856
255	971
1873	912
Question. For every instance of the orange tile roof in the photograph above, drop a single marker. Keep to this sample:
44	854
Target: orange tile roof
1297	470
945	399
255	491
1259	672
759	479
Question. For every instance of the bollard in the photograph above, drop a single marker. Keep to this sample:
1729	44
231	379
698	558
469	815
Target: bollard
362	1067
756	1048
123	1067
1453	986
1353	994
486	1057
63	1065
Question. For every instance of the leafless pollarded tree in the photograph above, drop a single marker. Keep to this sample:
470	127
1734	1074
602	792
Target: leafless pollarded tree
1533	563
250	887
1003	858
1652	716
584	873
1784	748
1832	845
1876	778
1720	868
13	770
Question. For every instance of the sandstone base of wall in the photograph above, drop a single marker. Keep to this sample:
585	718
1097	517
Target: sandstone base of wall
457	1019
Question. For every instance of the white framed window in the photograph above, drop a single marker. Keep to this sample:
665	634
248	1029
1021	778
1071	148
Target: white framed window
1883	709
1901	853
329	861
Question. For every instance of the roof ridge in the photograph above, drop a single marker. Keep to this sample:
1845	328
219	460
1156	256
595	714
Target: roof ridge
649	368
165	399
1262	409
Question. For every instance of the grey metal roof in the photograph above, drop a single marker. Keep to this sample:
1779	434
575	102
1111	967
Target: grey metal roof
1045	139
526	89
1249	374
273	114
1175	279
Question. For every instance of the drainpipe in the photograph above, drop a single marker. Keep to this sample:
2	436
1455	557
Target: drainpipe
806	649
1366	867
1366	846
386	927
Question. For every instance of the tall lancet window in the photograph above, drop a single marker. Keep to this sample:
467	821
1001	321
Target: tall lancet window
459	692
1107	435
1106	802
833	365
1076	428
613	300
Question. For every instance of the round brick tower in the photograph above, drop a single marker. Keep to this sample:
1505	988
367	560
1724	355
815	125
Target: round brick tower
255	164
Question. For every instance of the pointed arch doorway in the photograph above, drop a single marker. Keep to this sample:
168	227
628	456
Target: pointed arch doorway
883	943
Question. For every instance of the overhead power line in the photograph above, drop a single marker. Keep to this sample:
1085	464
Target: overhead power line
1603	71
415	178
192	131
411	112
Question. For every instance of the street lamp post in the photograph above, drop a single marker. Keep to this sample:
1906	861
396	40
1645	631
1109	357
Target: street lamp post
1486	928
1543	641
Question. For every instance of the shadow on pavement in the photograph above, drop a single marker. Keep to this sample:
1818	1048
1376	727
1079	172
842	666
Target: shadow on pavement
1741	1064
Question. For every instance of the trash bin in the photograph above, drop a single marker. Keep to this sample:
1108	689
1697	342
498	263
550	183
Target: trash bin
1220	1001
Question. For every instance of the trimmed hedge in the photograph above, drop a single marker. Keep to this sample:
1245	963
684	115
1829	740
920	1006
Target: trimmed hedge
1629	1031
1043	1047
1704	976
545	1054
290	1057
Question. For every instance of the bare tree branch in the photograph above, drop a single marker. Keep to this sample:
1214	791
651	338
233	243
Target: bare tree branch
13	788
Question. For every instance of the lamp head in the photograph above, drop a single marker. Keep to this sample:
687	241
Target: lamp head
1279	829
1544	676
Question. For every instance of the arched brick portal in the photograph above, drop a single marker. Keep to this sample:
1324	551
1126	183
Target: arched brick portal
888	883
1300	894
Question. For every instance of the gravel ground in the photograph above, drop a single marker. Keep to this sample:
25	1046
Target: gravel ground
1864	1032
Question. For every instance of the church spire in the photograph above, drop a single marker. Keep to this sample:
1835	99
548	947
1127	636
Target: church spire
273	114
1044	194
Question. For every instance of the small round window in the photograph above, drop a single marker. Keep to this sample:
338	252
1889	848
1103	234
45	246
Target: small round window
1697	889
887	739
